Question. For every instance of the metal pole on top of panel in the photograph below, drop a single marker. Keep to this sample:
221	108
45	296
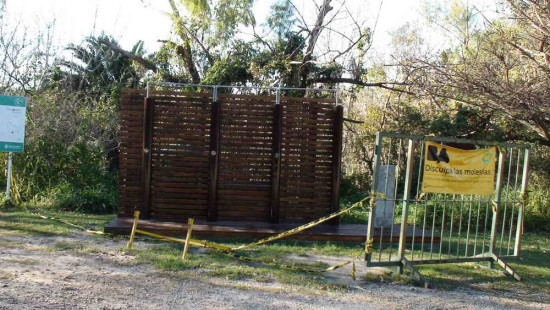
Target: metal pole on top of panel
176	85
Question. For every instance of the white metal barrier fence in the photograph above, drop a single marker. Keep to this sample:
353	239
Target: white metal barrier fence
415	228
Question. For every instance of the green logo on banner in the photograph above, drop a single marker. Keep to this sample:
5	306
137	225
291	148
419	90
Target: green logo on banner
487	158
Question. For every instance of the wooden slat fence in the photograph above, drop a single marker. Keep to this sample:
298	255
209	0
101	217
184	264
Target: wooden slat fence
228	157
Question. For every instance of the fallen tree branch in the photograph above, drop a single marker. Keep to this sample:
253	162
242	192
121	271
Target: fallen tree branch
361	83
142	61
353	121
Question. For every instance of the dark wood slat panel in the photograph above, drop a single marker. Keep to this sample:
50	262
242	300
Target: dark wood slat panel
180	178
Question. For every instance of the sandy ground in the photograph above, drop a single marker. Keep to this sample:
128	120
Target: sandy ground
33	276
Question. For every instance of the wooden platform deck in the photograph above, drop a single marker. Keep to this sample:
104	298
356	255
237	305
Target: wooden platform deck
256	230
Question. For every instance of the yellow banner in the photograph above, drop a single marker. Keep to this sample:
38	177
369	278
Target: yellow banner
454	171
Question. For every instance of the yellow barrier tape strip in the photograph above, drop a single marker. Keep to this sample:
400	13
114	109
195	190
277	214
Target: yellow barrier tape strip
143	232
228	251
301	228
265	240
368	247
70	224
97	232
192	241
289	267
207	244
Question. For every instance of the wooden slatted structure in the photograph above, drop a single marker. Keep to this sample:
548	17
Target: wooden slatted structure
245	157
180	147
130	137
228	157
307	158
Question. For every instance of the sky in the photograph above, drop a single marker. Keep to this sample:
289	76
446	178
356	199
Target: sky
132	20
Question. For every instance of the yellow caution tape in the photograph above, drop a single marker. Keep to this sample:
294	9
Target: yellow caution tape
230	251
63	222
369	244
265	240
303	227
290	267
97	232
191	241
495	205
207	244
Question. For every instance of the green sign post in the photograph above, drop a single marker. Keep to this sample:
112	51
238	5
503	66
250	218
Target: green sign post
12	130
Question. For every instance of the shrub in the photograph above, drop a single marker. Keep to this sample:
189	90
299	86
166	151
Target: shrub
64	164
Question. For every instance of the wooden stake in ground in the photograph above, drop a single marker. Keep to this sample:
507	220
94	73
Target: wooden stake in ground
188	237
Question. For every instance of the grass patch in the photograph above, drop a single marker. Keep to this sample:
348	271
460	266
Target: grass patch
215	264
11	244
74	247
5	275
17	220
390	277
533	266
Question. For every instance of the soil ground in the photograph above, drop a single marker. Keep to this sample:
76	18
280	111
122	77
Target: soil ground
49	272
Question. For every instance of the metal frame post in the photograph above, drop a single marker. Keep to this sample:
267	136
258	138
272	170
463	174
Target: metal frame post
8	179
496	206
406	200
376	171
524	198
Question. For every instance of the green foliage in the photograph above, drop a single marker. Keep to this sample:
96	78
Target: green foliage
233	69
18	220
354	188
533	266
282	18
97	69
98	199
537	210
65	162
537	215
216	21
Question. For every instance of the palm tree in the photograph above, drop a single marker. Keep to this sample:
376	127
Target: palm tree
96	68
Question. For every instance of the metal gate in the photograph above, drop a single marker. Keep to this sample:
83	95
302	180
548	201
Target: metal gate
426	228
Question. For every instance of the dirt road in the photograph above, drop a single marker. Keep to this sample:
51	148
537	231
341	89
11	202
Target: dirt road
37	273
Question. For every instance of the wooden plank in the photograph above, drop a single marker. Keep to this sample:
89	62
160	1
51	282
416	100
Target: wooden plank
131	116
252	229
